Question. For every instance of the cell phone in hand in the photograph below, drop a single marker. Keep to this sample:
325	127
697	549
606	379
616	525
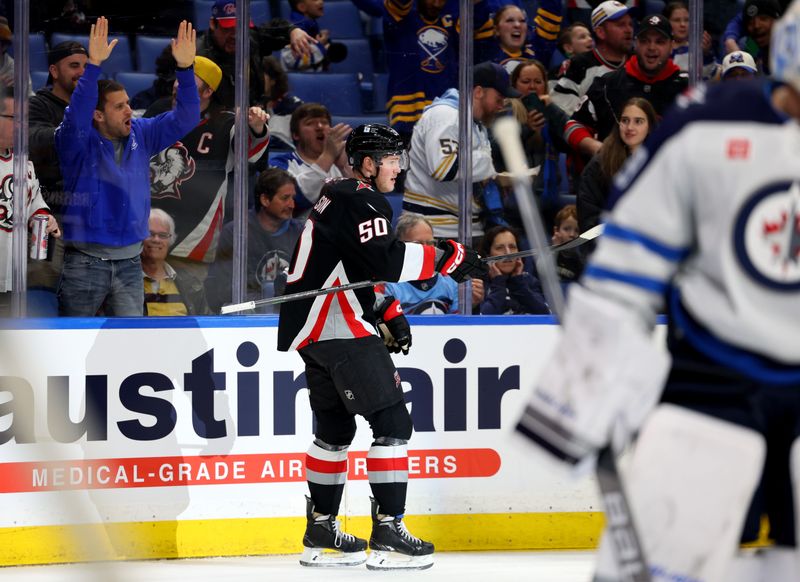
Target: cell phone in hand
532	102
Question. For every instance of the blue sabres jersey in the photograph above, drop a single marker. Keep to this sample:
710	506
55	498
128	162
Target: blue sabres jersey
422	56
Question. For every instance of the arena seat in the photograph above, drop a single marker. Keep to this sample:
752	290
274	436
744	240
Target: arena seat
135	82
359	58
356	120
343	20
339	92
148	49
120	58
38	52
38	79
202	13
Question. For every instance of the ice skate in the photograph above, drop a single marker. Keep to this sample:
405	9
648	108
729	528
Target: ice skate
393	547
326	545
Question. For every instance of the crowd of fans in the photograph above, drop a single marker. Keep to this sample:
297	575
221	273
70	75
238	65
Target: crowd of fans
141	184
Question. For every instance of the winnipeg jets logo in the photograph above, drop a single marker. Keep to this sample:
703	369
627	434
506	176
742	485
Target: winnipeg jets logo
767	236
271	264
168	170
433	41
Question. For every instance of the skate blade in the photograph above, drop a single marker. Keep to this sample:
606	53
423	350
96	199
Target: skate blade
381	560
324	558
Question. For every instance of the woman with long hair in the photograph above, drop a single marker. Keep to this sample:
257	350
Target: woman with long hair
515	41
509	288
542	130
637	120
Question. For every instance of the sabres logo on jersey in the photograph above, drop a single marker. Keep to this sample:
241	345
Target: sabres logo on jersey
7	203
433	40
168	170
767	236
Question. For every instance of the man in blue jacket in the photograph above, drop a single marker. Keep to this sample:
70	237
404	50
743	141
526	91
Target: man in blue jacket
105	160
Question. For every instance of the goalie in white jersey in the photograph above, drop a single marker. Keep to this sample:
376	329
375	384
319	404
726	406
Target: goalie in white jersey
706	226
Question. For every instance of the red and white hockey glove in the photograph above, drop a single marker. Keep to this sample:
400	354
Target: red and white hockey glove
393	326
459	262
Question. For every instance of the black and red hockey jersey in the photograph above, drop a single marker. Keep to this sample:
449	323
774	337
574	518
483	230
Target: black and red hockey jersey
347	238
189	181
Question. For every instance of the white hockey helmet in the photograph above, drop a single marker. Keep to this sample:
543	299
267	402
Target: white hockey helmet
785	47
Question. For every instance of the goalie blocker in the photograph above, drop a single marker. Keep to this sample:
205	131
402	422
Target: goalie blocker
580	399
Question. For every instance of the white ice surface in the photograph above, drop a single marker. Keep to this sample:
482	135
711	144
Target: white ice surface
448	567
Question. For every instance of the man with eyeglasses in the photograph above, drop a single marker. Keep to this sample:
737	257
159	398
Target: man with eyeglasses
167	292
436	295
105	159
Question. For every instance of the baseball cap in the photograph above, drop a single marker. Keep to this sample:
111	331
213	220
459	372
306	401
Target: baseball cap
655	22
608	10
738	60
63	50
753	8
208	71
224	12
493	75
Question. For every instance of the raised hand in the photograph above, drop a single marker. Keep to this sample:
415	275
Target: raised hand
99	47
184	46
335	139
257	118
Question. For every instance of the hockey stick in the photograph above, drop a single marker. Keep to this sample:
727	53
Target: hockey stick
624	536
590	234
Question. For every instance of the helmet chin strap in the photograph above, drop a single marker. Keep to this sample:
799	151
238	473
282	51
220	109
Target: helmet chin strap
371	180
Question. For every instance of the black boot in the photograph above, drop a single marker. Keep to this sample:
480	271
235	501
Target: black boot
393	546
327	545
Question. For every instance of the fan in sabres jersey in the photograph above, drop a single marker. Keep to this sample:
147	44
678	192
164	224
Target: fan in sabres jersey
421	39
515	40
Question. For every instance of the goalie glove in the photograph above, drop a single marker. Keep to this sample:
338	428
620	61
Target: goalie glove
393	326
459	262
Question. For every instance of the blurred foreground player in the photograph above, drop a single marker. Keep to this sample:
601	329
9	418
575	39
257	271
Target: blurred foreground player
706	224
348	238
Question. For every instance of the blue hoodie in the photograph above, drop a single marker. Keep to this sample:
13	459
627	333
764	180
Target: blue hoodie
109	203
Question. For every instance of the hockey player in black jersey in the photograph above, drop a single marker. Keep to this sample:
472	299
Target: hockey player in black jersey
347	238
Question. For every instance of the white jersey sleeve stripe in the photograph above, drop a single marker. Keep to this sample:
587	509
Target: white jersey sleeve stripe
414	263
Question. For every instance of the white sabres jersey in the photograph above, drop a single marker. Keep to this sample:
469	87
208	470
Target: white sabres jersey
707	222
431	186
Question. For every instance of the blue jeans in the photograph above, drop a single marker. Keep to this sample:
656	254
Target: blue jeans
88	283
